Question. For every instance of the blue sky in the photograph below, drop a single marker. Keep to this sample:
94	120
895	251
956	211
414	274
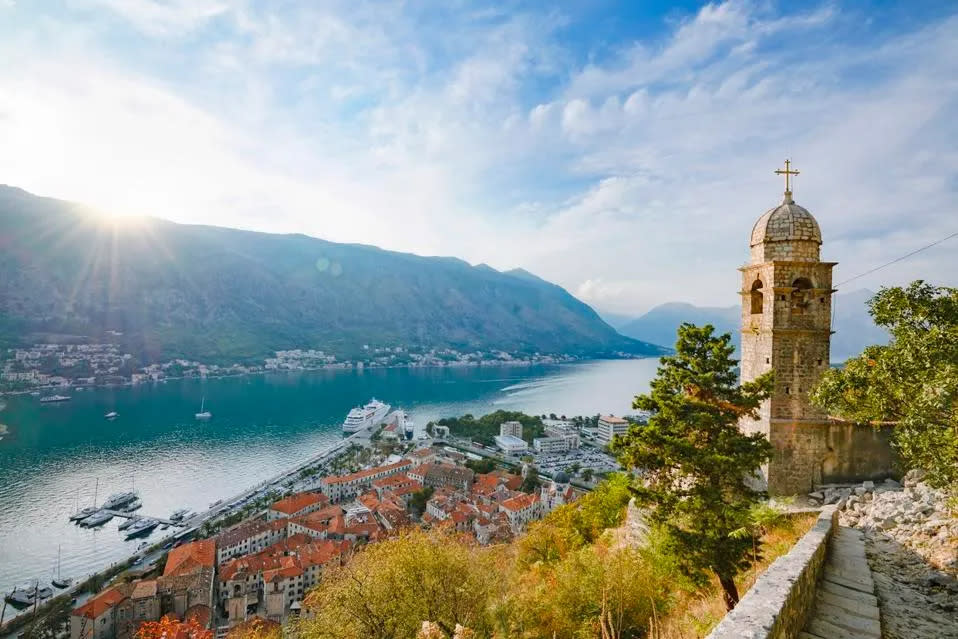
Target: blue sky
622	150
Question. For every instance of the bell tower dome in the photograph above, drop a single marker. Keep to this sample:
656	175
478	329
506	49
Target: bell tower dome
786	327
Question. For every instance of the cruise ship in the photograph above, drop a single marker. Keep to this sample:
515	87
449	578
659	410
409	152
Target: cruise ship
372	414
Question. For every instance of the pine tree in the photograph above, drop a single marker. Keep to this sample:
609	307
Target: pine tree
692	461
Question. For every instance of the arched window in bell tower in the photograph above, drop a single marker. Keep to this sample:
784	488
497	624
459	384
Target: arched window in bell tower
799	295
757	298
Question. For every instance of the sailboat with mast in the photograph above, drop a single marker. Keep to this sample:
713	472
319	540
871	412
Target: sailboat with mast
80	515
60	581
203	414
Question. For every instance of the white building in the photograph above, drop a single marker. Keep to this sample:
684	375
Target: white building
556	444
520	510
609	426
511	428
511	445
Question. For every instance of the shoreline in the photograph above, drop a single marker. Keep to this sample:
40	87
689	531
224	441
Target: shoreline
189	526
130	384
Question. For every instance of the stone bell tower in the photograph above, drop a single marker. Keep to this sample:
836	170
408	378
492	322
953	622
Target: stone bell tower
786	327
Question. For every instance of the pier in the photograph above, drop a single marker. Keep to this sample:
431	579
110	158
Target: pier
136	515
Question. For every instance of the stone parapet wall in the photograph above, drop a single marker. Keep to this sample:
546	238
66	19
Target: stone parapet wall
782	599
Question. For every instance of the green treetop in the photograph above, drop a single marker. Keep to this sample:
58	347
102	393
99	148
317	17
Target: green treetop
913	381
692	459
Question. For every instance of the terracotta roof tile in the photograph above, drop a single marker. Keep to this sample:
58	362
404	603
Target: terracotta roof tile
185	559
295	503
102	602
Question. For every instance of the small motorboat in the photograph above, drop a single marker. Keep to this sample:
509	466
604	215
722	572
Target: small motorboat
111	415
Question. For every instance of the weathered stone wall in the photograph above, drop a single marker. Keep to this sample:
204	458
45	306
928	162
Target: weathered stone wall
808	454
781	600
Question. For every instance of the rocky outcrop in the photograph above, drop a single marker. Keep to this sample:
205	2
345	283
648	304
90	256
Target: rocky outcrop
911	541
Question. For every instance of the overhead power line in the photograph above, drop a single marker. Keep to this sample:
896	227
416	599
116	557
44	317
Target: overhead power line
898	259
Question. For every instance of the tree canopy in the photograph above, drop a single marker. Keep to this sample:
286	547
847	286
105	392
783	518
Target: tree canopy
913	381
692	459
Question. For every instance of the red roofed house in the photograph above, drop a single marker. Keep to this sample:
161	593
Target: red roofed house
143	604
345	487
520	510
188	577
297	505
98	617
248	537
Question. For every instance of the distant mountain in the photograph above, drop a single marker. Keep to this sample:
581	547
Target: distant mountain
660	324
219	294
853	326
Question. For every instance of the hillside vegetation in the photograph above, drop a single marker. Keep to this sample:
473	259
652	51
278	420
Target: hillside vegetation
222	294
569	577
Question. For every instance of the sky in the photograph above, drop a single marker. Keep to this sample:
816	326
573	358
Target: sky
620	149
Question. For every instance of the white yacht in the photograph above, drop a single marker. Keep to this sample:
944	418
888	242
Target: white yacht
203	414
407	425
27	594
372	414
129	522
180	514
54	398
141	527
118	499
96	519
80	515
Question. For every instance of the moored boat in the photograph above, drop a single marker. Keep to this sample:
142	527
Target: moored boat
60	581
141	527
116	500
98	518
82	514
203	414
127	523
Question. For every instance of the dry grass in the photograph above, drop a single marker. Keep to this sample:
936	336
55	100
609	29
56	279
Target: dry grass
694	614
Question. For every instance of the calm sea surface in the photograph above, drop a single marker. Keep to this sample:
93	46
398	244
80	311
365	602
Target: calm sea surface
54	453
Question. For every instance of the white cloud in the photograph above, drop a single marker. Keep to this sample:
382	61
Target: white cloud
631	181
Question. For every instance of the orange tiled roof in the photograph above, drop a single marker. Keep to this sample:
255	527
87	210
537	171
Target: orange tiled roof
363	474
144	588
295	503
519	502
184	559
101	603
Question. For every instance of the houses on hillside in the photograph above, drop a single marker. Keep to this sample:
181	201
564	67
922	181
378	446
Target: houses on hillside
263	567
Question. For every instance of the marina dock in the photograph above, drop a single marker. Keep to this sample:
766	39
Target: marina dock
136	515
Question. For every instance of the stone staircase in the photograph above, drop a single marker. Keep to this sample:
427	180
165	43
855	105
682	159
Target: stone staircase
845	602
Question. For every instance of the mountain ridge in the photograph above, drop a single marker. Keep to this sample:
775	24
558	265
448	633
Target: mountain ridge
218	292
854	328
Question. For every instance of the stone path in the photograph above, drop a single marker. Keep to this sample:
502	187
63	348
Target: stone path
845	602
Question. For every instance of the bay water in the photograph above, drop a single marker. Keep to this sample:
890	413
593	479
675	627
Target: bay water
53	455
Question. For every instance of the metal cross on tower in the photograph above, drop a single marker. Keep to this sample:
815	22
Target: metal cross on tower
787	172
